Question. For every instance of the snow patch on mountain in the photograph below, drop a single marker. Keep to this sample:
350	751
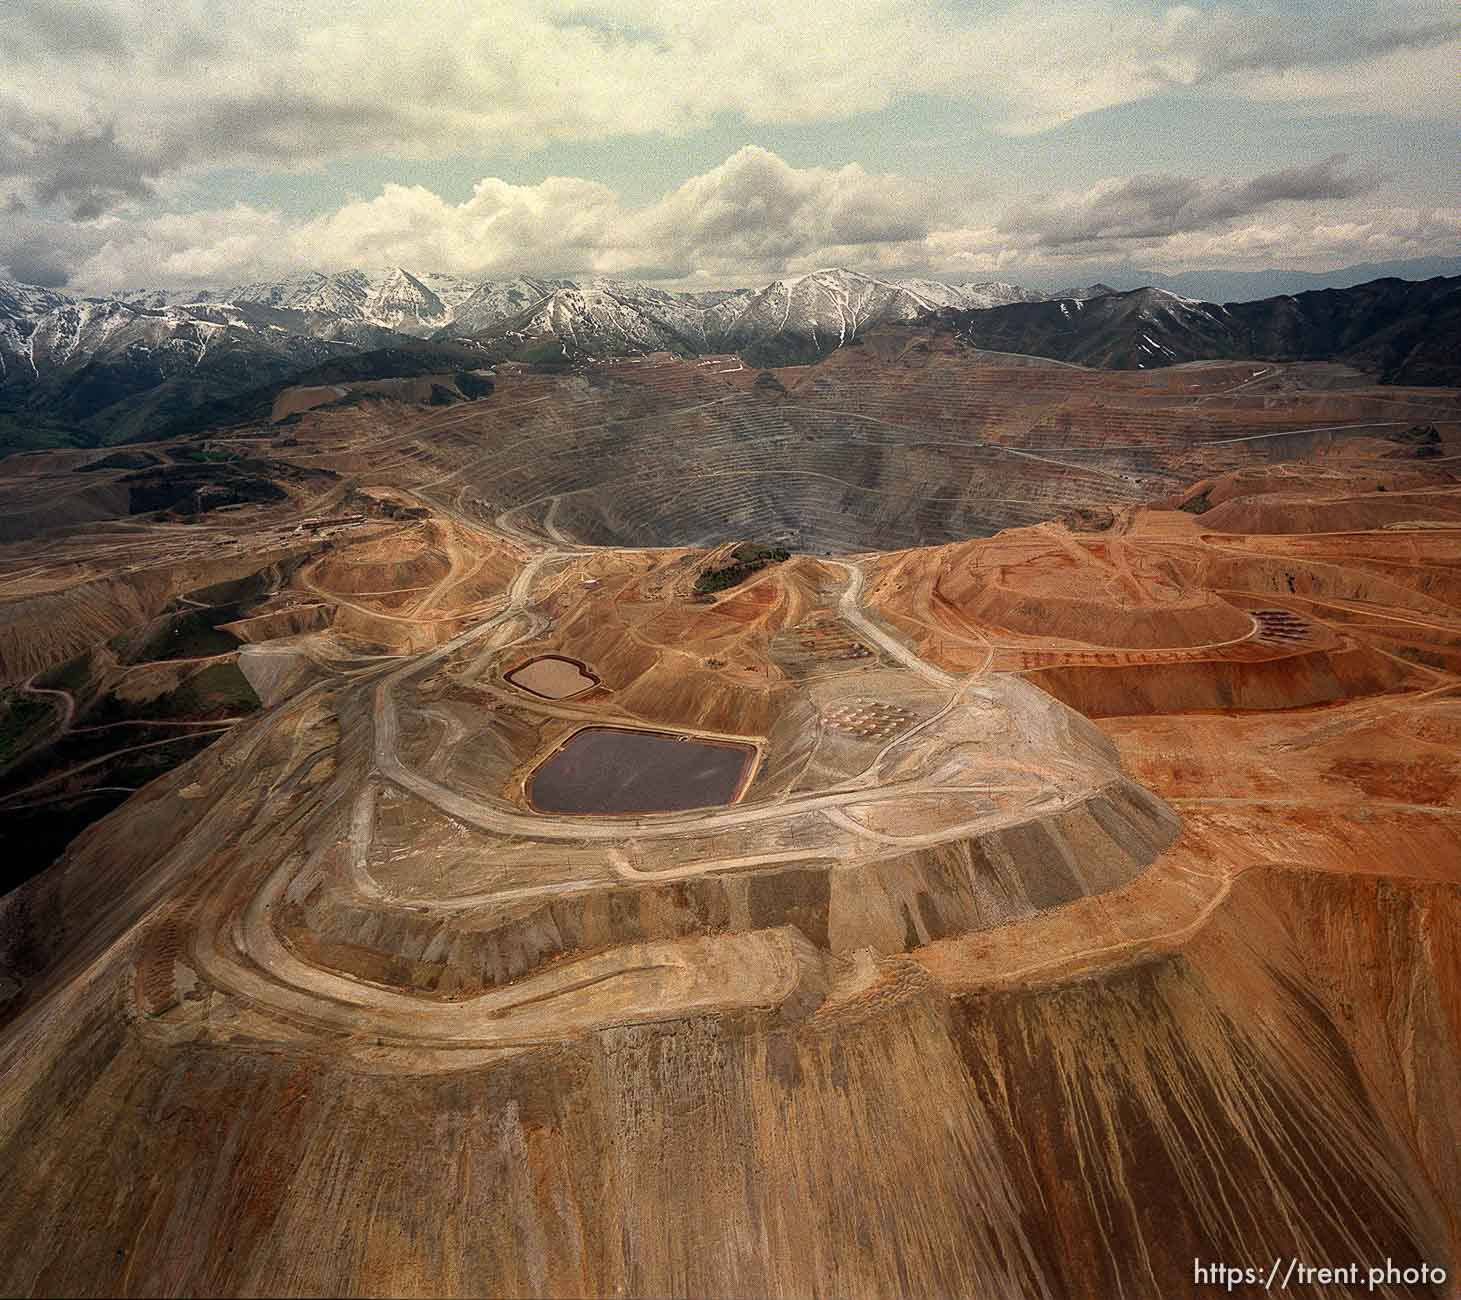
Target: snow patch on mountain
793	319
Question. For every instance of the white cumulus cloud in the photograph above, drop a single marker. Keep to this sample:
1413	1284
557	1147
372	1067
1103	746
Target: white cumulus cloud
749	219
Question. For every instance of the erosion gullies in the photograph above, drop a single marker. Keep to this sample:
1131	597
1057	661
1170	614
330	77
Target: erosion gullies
1088	903
1165	1064
984	1107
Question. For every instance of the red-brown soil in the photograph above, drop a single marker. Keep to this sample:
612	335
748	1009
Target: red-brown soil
1094	906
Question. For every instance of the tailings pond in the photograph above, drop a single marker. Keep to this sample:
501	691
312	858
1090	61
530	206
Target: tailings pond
553	677
618	770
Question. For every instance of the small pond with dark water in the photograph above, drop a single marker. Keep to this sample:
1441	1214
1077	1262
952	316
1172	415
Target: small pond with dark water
619	770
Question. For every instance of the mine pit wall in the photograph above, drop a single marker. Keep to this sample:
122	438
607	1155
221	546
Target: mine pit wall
1311	589
909	1139
1274	516
1288	682
891	905
1285	568
1205	618
114	872
273	676
1302	1131
787	750
89	906
298	620
40	631
93	504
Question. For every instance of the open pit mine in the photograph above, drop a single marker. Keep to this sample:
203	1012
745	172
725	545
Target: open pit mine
928	823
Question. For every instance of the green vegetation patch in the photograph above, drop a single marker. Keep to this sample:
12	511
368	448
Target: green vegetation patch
192	489
746	559
72	676
354	398
1417	435
23	431
545	353
220	690
22	717
473	384
1424	440
233	594
190	635
1200	504
204	453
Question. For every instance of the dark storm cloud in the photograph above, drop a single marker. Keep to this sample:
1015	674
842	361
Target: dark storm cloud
1154	206
92	170
114	98
62	30
86	171
36	263
1325	179
38	250
1239	42
281	128
90	173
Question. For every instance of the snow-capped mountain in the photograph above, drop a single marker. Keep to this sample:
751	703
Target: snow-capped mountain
23	307
806	317
401	302
801	315
138	362
146	362
1124	331
118	367
162	299
18	301
394	299
791	320
495	301
1083	294
343	295
996	293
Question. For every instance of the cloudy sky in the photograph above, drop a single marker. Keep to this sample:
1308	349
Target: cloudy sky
190	142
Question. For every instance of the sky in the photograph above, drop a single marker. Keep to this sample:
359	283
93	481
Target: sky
183	143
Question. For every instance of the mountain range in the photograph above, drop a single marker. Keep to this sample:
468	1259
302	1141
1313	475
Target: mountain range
146	361
1404	331
152	362
1225	285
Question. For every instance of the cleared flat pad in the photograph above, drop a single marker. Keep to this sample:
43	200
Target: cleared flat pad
618	770
552	677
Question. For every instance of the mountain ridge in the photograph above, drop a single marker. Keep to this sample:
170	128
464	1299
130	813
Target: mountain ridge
1216	284
147	361
92	370
1404	331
